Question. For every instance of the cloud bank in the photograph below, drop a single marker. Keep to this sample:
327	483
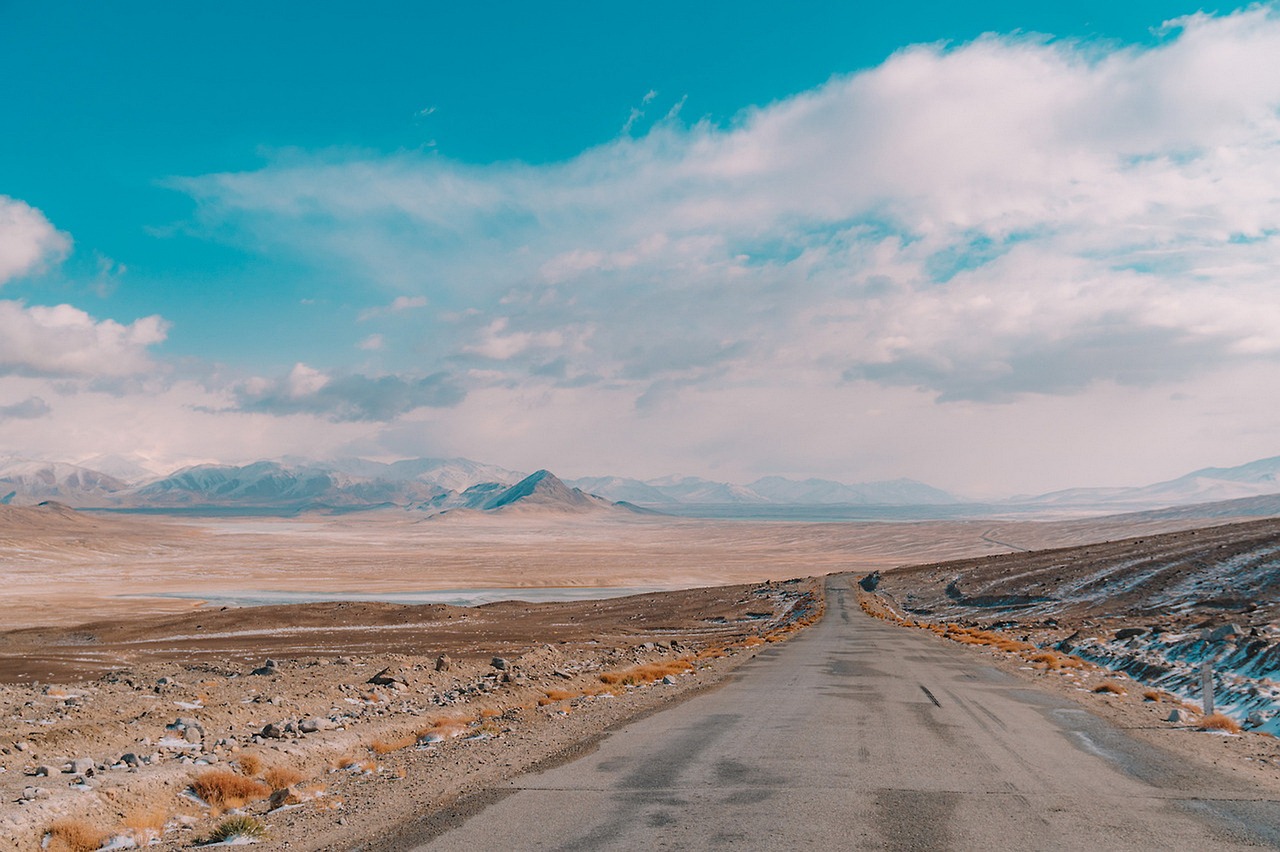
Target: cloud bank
1011	216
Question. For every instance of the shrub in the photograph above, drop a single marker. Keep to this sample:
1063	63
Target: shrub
381	746
222	788
1109	687
250	764
279	777
1152	695
237	826
1220	722
74	835
145	825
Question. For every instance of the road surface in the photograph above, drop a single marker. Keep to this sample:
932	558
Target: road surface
861	735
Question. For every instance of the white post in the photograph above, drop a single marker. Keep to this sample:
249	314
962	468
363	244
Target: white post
1206	687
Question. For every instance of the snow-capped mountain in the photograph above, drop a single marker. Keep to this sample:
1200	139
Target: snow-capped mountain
28	481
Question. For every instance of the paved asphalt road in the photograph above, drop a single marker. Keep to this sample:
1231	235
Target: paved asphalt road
861	735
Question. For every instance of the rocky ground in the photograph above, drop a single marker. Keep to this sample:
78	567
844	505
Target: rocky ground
1156	609
366	722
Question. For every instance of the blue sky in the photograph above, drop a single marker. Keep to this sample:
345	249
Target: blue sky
722	238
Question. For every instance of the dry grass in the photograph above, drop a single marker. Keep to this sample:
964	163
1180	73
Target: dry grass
386	746
650	672
1220	722
489	713
250	764
145	825
74	835
1108	687
1152	695
222	789
279	777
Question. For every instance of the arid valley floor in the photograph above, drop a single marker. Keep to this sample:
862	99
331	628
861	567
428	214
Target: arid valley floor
136	706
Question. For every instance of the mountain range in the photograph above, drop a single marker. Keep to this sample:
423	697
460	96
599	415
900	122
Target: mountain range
436	485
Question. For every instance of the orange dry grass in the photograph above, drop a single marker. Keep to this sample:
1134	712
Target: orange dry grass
1109	687
489	713
1220	722
381	746
1152	695
279	777
650	672
145	825
222	788
560	694
74	835
250	764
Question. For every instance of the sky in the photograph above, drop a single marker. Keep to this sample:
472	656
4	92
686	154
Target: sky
997	248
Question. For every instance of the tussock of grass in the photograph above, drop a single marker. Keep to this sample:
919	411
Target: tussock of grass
1108	687
222	789
279	777
237	826
145	825
1220	722
1152	695
386	746
250	764
560	694
74	835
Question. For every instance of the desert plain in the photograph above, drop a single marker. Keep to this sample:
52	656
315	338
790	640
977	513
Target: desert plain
134	677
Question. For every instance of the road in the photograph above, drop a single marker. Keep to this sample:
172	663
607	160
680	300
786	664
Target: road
861	735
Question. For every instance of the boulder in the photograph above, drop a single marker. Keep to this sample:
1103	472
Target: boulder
870	582
315	723
443	663
272	731
500	663
268	668
1226	633
286	796
130	759
45	771
1130	632
81	766
1178	716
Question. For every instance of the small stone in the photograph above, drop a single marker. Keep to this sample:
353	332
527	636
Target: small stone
81	766
130	759
310	726
23	746
193	735
29	793
1130	632
267	669
499	663
669	680
443	663
273	731
45	771
286	796
1178	715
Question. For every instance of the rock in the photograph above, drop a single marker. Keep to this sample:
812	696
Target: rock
870	582
130	759
81	766
499	663
286	796
443	663
1226	632
29	794
45	771
166	681
310	726
23	746
669	680
389	676
272	731
1255	720
1130	632
193	735
267	669
1178	715
1066	645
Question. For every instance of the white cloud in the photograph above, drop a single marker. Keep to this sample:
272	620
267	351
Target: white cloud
27	240
398	305
372	343
61	340
1013	219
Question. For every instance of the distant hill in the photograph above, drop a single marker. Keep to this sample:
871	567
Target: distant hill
27	481
1207	485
